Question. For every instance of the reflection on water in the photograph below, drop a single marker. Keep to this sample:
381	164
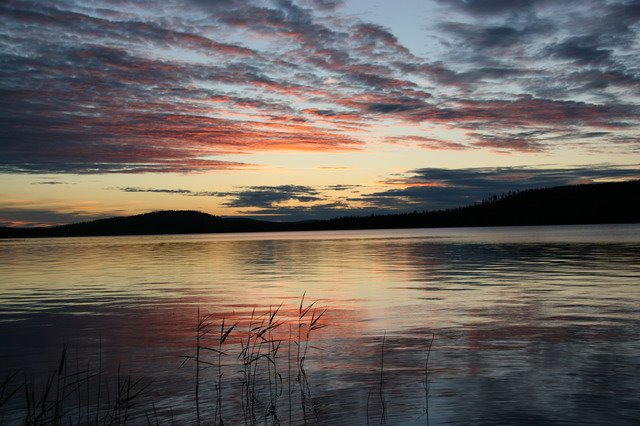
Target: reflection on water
535	324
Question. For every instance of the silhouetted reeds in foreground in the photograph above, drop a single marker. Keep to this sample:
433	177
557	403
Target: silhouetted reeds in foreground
260	363
70	395
264	383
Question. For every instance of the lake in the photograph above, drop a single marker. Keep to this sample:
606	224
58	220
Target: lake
477	325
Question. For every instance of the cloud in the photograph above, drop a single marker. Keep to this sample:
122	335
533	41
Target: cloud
156	190
581	50
528	111
303	213
111	88
419	189
101	106
265	197
496	37
90	167
46	212
13	217
123	31
49	182
326	4
342	187
279	202
549	45
373	40
434	188
494	7
87	133
186	192
427	143
507	143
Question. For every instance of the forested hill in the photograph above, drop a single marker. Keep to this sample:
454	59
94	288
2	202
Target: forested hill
161	222
579	204
562	205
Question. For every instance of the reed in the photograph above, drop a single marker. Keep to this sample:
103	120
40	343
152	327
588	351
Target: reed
427	385
70	395
261	367
383	416
267	379
8	389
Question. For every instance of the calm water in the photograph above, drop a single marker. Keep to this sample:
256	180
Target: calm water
532	324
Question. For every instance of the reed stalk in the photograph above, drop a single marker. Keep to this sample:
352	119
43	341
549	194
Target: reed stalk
61	398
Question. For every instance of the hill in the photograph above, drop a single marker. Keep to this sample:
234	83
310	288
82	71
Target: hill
562	205
578	204
161	222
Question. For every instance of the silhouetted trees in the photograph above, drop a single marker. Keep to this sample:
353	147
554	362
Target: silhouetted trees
578	204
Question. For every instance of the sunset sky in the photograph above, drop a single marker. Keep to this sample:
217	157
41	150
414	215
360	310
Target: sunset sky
289	110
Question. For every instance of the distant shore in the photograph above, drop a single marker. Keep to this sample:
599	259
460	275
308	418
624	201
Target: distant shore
565	205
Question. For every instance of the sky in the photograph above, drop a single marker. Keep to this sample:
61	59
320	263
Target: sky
291	110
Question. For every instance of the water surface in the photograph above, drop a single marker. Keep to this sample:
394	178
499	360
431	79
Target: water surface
529	324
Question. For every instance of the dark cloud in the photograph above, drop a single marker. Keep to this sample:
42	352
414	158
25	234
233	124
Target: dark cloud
341	187
280	202
556	50
156	190
78	119
383	108
104	88
530	111
616	25
492	7
215	4
299	213
427	143
285	19
507	143
595	79
581	50
520	177
522	113
85	107
375	40
186	192
123	31
50	182
89	166
266	197
326	4
291	202
496	37
433	188
274	201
